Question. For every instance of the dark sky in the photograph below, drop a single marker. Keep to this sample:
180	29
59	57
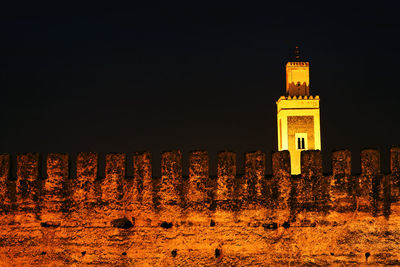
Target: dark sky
199	75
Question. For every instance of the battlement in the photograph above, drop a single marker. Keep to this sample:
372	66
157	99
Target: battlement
297	102
199	190
298	63
300	97
229	219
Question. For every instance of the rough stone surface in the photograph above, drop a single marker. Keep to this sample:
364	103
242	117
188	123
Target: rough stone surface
342	183
307	229
395	172
55	185
395	159
4	176
143	182
341	167
281	163
369	185
226	175
171	178
115	174
27	178
199	185
86	175
312	187
281	172
57	173
254	175
370	162
4	167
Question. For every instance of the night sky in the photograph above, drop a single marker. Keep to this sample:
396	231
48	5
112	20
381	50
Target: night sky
199	75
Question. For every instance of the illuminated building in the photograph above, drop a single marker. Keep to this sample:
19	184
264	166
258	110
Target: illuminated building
298	114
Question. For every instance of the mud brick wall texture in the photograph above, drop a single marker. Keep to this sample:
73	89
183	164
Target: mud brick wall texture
4	176
49	217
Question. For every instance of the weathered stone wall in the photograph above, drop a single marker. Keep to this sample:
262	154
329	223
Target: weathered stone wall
86	174
254	177
55	189
250	219
4	177
28	182
200	186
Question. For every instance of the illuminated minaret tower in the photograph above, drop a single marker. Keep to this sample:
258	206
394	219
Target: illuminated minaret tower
298	114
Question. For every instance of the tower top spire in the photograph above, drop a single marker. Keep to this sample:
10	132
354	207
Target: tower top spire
297	53
297	76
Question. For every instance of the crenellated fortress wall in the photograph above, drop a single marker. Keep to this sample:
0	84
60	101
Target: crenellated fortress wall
227	219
